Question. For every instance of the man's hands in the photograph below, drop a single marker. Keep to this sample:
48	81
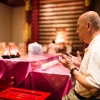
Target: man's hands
66	61
77	60
71	61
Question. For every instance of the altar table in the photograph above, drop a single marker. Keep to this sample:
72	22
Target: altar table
29	74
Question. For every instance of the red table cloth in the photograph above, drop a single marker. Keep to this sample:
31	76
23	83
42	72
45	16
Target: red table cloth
30	74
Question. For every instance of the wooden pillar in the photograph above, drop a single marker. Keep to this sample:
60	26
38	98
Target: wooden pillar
88	5
35	20
27	33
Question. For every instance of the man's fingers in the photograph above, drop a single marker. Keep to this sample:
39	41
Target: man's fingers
61	59
68	54
78	54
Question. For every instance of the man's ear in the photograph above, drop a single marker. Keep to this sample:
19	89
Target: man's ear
89	26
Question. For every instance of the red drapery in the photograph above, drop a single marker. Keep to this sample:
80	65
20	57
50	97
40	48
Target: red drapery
35	20
27	32
32	19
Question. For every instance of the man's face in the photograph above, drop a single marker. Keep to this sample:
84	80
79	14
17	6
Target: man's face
81	30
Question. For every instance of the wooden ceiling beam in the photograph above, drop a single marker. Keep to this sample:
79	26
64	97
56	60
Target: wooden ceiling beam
13	3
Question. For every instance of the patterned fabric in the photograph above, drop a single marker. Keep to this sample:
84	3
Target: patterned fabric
29	75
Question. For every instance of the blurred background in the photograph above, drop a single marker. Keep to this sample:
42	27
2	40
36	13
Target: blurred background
27	21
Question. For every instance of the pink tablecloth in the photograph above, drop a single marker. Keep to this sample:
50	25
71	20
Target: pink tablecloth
30	75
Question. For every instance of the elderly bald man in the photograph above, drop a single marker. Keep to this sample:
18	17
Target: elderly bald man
87	85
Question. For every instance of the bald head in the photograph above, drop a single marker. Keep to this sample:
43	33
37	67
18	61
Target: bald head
93	17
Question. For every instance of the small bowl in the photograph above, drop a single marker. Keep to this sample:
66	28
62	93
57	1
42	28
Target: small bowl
18	55
5	57
13	56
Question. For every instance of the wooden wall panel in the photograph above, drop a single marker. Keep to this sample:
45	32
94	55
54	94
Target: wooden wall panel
55	14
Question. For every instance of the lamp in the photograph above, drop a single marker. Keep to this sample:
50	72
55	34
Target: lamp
60	35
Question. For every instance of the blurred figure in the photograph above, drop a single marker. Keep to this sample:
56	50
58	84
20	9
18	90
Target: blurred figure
52	48
61	45
62	48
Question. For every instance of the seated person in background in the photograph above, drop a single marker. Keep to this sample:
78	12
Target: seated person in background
52	48
35	48
61	46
